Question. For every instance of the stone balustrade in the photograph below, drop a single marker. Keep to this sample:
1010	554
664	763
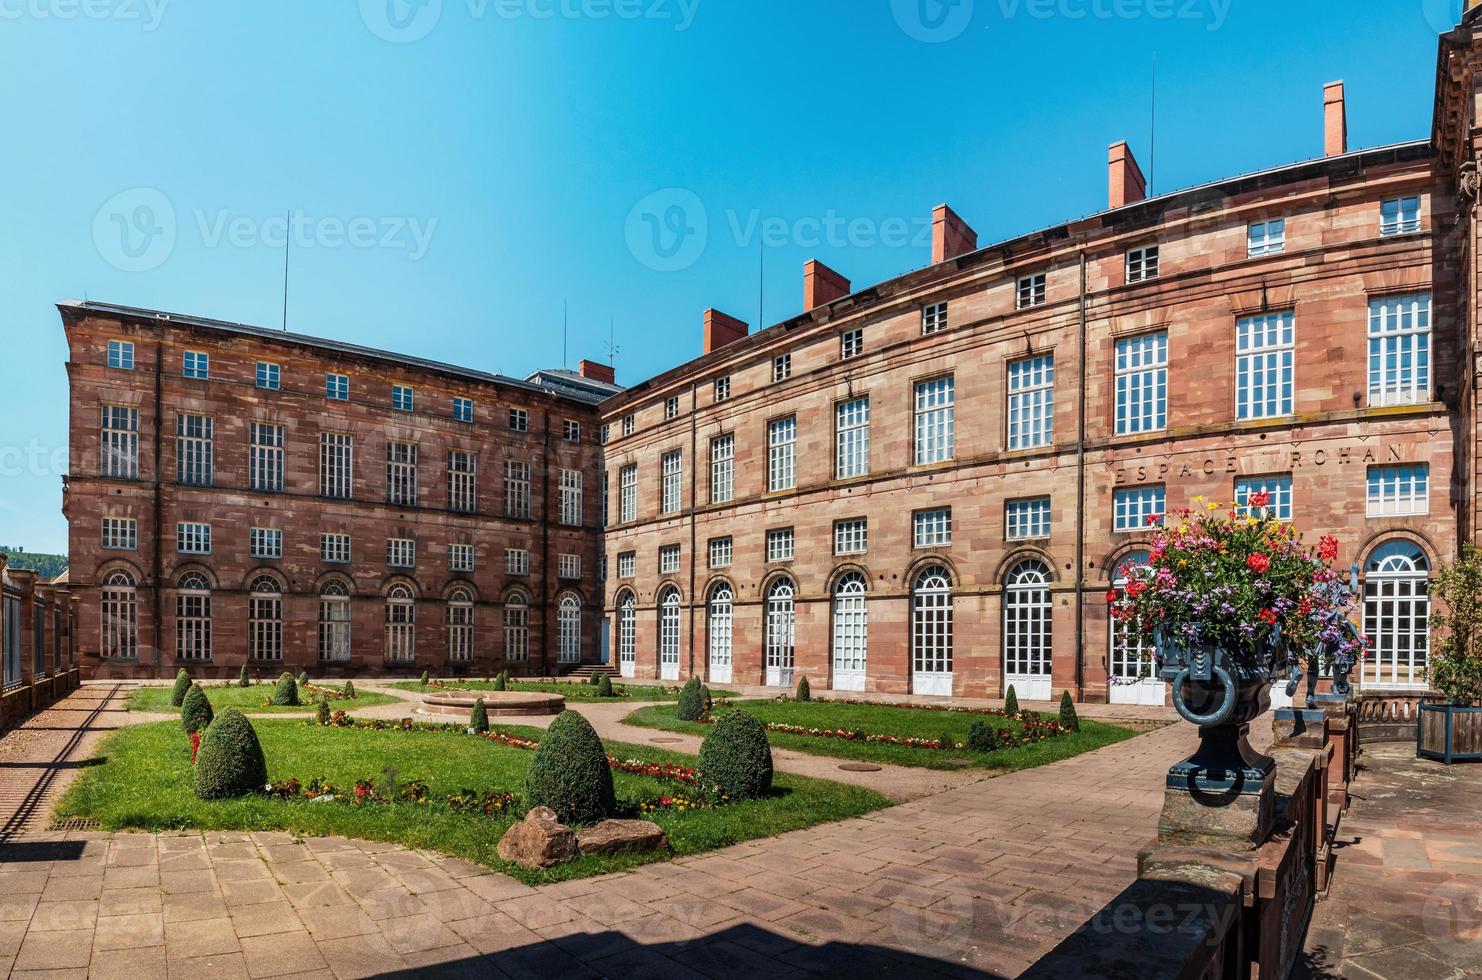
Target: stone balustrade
37	628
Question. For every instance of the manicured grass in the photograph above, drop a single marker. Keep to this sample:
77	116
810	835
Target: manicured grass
572	690
250	699
903	722
144	782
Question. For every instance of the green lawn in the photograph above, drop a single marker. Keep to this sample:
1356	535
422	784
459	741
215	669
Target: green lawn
904	722
249	699
144	782
573	691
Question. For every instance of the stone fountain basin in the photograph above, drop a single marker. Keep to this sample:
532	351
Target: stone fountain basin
459	704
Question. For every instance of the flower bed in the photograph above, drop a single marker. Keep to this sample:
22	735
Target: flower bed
1032	730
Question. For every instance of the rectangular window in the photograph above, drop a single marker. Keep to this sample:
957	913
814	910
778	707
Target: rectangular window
931	528
936	421
782	367
628	493
606	496
336	465
120	533
460	557
193	539
1025	519
401	553
1031	291
197	365
334	549
463	482
673	472
1142	383
851	537
462	409
519	420
266	542
194	449
570	430
1399	216
401	474
1142	264
120	442
337	387
571	497
604	434
1277	488
403	398
722	468
1400	350
1266	237
1264	352
720	552
516	489
1032	402
723	388
569	567
669	559
269	376
671	407
516	561
851	343
627	564
934	318
780	544
121	355
602	568
1395	491
852	438
265	457
517	631
782	447
1136	508
628	424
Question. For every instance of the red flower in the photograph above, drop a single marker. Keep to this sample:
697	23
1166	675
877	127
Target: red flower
1260	499
1154	519
1258	563
1135	589
195	746
1327	548
1268	617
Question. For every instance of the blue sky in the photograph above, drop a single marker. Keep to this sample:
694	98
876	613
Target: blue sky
457	170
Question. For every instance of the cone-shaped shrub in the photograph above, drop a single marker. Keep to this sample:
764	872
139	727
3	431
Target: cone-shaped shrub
1068	718
691	702
736	758
349	689
595	680
321	715
195	712
182	684
286	694
303	678
604	687
570	774
1011	702
500	683
230	762
426	678
707	703
982	737
804	694
479	719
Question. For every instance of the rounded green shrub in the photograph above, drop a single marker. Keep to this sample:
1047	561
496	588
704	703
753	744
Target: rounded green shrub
804	694
1011	702
230	762
736	758
349	689
321	715
982	737
604	688
195	710
691	702
479	719
286	693
182	684
570	774
242	679
1069	720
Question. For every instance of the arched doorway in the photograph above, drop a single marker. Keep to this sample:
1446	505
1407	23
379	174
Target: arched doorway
1027	634
1130	673
721	619
781	631
931	632
669	634
627	634
851	632
1397	608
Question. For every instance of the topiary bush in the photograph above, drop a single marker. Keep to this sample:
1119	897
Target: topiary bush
1069	720
804	694
321	715
303	678
947	740
604	689
230	762
479	719
595	680
736	758
570	773
286	693
691	702
182	684
426	678
195	710
242	679
500	683
982	737
349	689
707	703
1011	703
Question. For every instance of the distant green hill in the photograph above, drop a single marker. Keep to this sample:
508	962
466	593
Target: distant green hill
47	566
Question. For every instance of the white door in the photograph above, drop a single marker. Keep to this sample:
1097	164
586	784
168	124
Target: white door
1397	617
1027	635
851	633
669	635
627	637
931	632
781	629
722	609
1130	672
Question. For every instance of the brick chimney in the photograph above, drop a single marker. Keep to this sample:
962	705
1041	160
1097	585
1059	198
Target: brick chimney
722	330
1334	120
597	372
950	235
1125	179
821	285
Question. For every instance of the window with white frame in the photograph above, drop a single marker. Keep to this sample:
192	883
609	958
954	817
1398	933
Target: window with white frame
463	482
568	567
672	465
460	626
1400	350
401	553
460	558
1397	612
121	355
269	376
628	424
194	449
931	622
193	538
120	534
570	430
570	487
671	407
851	343
334	549
604	434
627	564
1278	490
1399	215
606	497
669	633
1025	519
722	468
516	561
568	630
781	367
720	552
516	488
851	537
517	629
1396	491
120	617
931	528
1135	508
852	438
265	457
193	618
403	398
1264	352
196	365
1142	263
334	622
780	544
1265	237
462	409
628	493
1031	291
934	318
1028	613
602	568
722	388
336	464
1032	402
337	387
936	420
782	449
266	542
669	559
519	420
265	619
1142	383
120	442
401	625
401	474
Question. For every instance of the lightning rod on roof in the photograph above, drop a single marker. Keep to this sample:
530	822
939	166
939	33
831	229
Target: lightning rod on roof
287	239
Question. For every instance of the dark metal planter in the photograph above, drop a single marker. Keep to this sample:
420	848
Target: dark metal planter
1448	733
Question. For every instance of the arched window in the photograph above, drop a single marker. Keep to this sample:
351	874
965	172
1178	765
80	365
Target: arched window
193	617
669	634
265	619
517	628
931	631
120	616
627	634
334	622
780	632
851	632
568	630
401	625
1397	608
1027	641
722	611
460	626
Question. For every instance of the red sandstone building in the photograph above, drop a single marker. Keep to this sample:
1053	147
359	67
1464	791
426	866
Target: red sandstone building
928	485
